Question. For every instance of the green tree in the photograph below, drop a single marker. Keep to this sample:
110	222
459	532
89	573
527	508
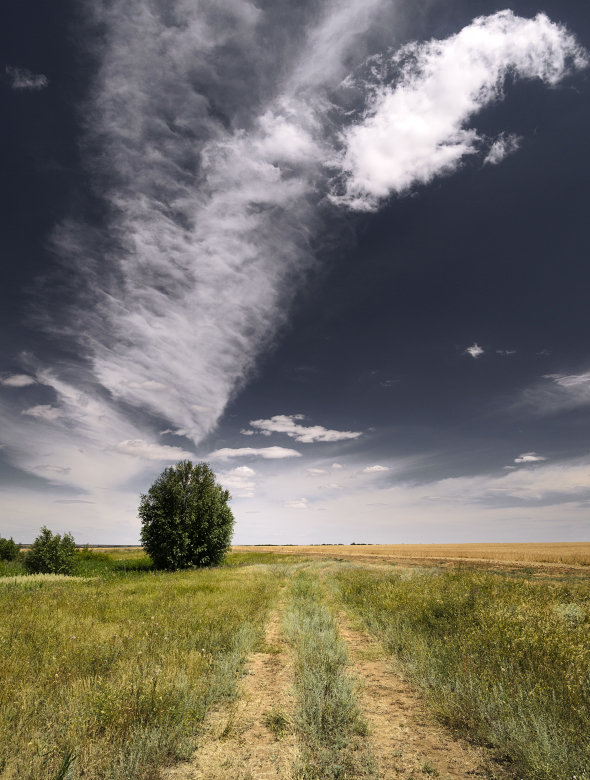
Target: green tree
9	549
186	520
51	553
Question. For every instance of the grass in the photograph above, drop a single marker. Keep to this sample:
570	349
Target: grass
328	723
505	660
108	677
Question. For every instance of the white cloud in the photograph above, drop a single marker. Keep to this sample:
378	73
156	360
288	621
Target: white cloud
529	457
375	469
150	451
474	350
268	453
21	78
247	432
286	423
416	127
239	481
316	472
18	380
44	412
337	466
504	145
299	503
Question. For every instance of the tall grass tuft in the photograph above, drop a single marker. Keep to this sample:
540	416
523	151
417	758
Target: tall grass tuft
328	721
503	659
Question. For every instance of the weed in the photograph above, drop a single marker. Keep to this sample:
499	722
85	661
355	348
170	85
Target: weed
277	723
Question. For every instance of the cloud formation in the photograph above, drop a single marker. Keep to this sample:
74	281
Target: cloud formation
268	453
376	469
212	155
289	425
17	380
23	79
474	350
415	125
529	457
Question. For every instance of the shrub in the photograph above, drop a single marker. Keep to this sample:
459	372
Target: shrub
186	520
51	554
9	549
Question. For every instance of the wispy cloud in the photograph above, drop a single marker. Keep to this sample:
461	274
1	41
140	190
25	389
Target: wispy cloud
290	425
149	451
555	393
415	126
44	412
298	503
21	78
505	144
268	453
376	469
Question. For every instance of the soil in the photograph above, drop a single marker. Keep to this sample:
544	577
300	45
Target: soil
405	739
242	740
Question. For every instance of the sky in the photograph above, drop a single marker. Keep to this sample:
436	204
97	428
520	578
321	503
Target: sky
338	250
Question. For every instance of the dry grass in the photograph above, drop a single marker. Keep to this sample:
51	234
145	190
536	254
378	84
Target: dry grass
563	553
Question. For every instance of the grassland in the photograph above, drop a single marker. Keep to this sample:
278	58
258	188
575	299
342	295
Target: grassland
562	553
109	677
502	659
110	673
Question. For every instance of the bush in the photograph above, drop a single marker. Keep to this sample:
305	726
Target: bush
9	549
51	554
186	520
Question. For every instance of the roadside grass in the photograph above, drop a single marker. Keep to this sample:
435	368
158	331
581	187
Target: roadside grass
327	719
109	677
504	660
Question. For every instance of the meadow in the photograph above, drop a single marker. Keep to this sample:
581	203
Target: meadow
112	672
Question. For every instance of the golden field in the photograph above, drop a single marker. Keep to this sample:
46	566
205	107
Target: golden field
528	553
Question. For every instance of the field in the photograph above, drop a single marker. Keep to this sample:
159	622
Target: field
303	663
562	553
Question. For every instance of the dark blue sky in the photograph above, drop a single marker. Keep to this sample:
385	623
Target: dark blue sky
351	275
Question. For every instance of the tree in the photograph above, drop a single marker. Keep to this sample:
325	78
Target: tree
51	554
186	520
9	549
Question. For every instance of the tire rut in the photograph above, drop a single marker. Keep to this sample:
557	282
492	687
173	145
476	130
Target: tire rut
405	739
242	740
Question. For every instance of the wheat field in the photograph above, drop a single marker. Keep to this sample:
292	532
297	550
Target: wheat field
530	553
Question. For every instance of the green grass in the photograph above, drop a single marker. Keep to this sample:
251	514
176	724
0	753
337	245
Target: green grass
505	660
328	722
109	677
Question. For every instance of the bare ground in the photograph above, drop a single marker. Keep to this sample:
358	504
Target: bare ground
405	739
242	740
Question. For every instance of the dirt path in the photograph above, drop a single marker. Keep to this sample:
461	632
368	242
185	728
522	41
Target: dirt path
239	740
405	740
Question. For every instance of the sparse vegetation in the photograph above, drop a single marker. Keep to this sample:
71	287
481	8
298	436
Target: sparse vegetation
504	659
329	724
